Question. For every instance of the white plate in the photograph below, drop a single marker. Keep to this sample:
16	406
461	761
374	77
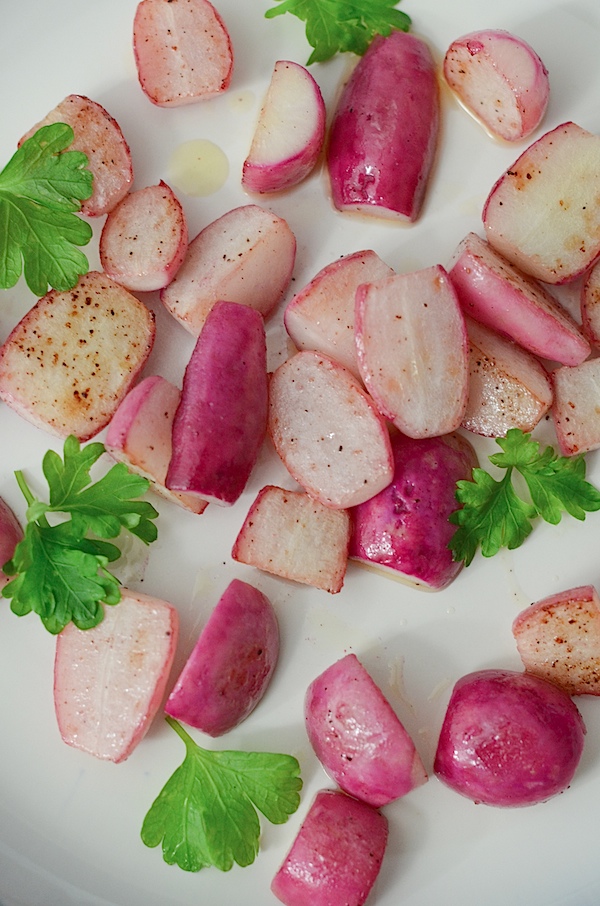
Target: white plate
69	825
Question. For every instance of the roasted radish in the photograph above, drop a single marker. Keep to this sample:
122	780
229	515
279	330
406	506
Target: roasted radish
576	407
11	533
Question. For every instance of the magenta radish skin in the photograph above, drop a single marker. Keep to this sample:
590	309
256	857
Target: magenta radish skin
358	737
404	530
509	739
231	664
336	856
384	132
11	532
221	420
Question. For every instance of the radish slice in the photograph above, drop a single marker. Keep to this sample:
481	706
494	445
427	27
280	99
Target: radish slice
575	408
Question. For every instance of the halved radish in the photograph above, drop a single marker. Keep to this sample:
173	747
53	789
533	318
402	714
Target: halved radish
412	350
590	306
327	431
576	407
11	532
290	132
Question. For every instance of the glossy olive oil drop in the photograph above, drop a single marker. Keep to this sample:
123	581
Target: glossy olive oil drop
198	168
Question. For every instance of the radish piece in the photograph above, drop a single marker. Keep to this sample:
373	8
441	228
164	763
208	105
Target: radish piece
384	131
221	420
590	306
545	224
290	132
231	664
404	530
327	431
558	639
109	681
245	256
357	736
508	386
144	239
289	534
98	135
140	435
501	81
72	358
509	739
412	349
182	51
336	855
11	533
496	293
575	408
321	316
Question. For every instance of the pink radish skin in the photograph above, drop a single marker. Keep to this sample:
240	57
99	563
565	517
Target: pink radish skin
336	856
384	132
404	530
509	739
558	639
144	239
231	664
290	132
412	351
98	135
501	81
545	225
109	681
357	736
327	431
11	532
496	293
182	50
575	407
221	420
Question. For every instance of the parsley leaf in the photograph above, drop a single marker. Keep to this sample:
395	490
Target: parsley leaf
206	812
60	569
339	26
493	515
41	188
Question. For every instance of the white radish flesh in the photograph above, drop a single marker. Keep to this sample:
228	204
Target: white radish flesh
590	306
576	407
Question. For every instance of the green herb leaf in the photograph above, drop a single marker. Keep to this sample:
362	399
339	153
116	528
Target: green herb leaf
59	569
41	188
339	26
206	814
493	515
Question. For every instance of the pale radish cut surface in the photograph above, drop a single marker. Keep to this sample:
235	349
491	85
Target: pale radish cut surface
98	135
182	50
500	79
230	667
321	315
109	681
291	535
336	856
412	351
290	132
384	131
496	293
70	361
144	239
576	409
543	213
245	256
11	533
358	737
327	431
508	386
590	306
558	639
140	435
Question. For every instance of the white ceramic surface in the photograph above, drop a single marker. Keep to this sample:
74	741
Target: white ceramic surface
69	825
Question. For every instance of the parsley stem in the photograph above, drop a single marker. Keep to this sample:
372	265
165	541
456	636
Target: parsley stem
187	739
24	487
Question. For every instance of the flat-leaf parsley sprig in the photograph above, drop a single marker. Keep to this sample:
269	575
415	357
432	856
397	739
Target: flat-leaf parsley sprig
338	26
59	567
41	189
493	515
206	813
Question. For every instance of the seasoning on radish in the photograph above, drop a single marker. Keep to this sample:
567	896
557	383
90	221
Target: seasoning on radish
575	409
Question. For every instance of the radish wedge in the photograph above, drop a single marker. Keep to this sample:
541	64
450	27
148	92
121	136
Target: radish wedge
327	431
575	407
590	306
109	681
412	350
231	664
357	736
221	420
